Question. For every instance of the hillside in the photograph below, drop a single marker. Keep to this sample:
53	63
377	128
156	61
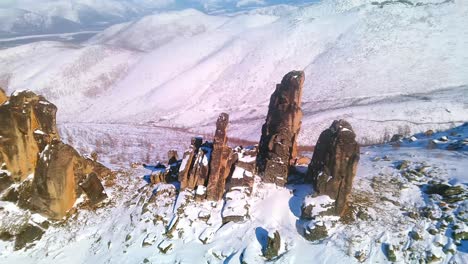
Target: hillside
359	59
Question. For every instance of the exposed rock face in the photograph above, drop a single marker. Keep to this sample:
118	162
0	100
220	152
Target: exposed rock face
277	145
27	125
3	96
59	171
93	188
219	160
334	163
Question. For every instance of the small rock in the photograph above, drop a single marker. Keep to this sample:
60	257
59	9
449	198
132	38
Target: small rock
165	247
29	234
397	138
273	246
390	252
443	139
403	165
315	231
361	256
415	235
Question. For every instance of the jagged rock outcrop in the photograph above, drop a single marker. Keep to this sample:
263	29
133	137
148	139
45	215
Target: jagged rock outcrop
212	169
277	146
334	163
48	172
188	161
27	125
219	167
59	172
161	173
172	156
199	174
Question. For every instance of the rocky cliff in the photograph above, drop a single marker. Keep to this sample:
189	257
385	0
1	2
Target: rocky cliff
47	171
27	125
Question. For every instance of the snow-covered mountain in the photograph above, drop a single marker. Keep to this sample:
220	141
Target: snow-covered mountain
23	22
26	17
393	66
31	17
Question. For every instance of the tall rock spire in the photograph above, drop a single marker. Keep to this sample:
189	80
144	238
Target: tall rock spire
219	160
334	164
277	146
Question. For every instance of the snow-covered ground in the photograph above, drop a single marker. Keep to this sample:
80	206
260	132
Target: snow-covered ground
393	211
386	68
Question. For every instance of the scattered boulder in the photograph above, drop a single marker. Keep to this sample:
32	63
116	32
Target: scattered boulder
273	245
397	138
389	251
207	235
449	193
313	207
429	133
315	230
277	146
29	234
219	169
334	164
165	247
149	240
93	188
236	208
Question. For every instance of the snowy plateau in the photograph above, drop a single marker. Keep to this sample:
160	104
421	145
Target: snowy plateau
152	74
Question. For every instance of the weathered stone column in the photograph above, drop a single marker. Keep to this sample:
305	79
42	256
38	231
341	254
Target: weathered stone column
219	160
277	145
334	163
